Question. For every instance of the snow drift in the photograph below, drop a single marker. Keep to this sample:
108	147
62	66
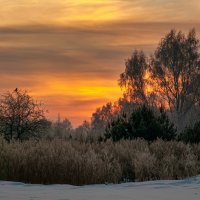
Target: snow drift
187	189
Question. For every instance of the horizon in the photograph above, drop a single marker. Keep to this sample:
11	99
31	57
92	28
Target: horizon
70	55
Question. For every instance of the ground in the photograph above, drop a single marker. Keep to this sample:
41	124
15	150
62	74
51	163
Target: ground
188	189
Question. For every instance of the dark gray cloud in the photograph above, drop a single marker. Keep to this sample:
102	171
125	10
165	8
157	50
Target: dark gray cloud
98	49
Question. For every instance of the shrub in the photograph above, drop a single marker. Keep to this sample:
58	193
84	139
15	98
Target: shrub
191	134
174	160
143	123
77	163
118	129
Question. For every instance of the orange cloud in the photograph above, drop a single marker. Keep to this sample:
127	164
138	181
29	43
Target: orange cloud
77	100
67	12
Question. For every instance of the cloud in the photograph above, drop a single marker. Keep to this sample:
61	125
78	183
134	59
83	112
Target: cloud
98	49
162	10
69	11
79	65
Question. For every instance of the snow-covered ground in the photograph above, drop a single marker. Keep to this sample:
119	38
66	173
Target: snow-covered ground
188	189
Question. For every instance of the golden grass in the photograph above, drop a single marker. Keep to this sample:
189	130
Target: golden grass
78	163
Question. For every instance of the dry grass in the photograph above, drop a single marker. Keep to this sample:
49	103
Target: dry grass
76	163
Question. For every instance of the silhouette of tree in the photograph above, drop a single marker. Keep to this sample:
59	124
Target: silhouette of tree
101	117
191	134
118	129
143	123
133	78
171	80
83	132
21	116
62	128
176	70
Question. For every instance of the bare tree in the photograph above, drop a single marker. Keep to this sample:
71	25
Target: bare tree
176	68
133	78
101	117
62	128
21	116
83	132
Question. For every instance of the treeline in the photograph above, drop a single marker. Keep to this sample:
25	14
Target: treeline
23	118
161	94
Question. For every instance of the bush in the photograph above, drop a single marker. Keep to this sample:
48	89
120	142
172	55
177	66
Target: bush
143	123
174	160
118	129
71	162
191	134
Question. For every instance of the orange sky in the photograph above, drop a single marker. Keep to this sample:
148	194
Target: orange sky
69	54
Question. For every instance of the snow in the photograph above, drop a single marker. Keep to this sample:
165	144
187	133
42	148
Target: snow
188	189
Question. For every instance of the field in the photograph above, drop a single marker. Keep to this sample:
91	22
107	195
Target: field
78	163
188	189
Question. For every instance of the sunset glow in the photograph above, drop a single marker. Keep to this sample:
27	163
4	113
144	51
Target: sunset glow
69	54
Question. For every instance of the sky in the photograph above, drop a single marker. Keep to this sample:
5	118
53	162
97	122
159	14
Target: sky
69	53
